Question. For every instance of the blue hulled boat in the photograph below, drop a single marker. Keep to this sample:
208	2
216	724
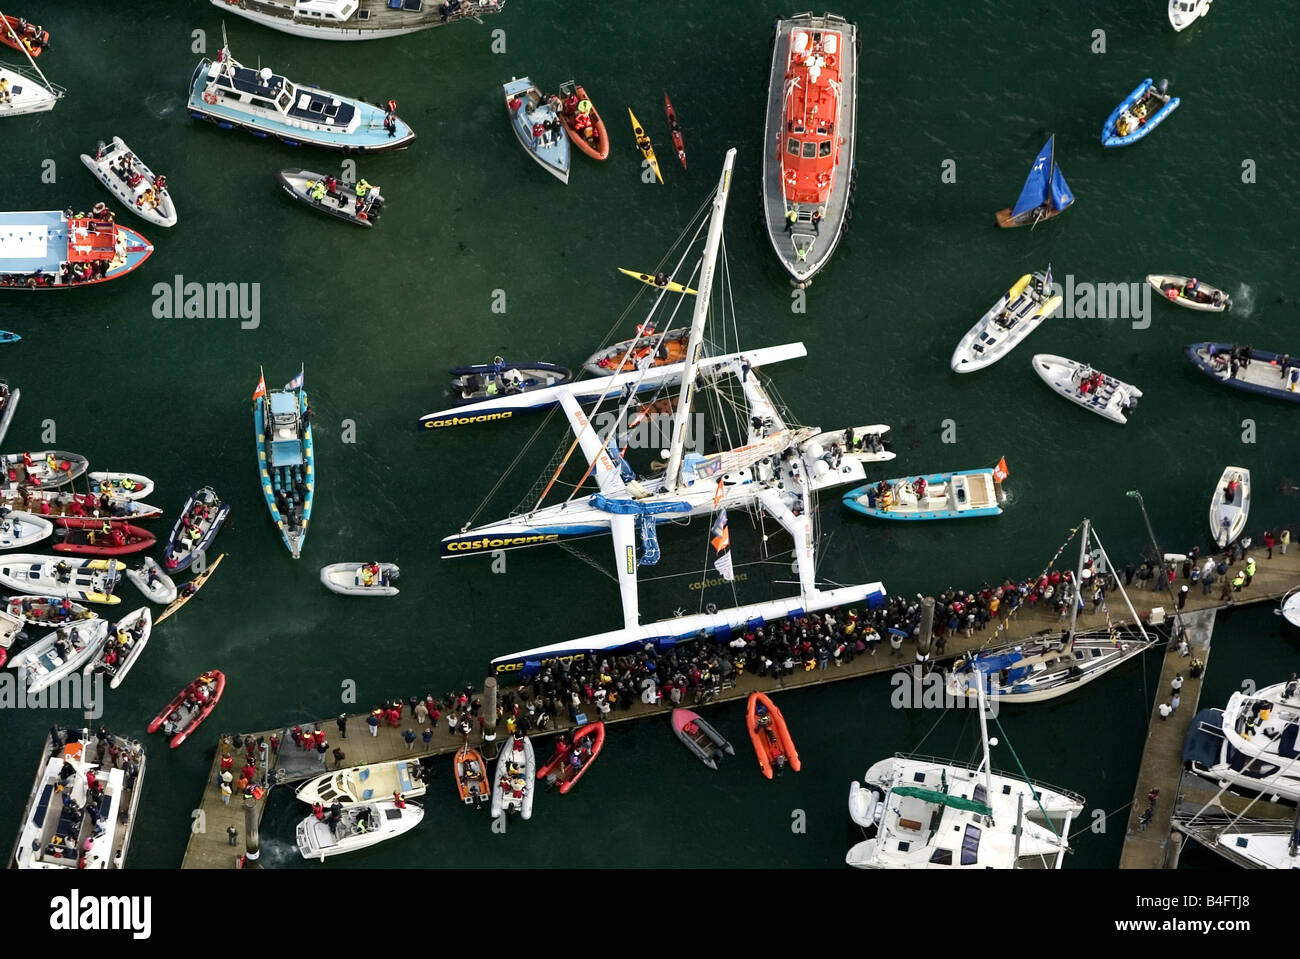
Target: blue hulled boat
538	127
958	495
1138	114
285	460
229	94
195	529
1245	368
1045	193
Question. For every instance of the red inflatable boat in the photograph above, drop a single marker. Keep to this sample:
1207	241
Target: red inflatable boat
586	744
190	707
91	536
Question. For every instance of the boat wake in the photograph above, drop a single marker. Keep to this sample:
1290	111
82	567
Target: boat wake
162	106
1243	301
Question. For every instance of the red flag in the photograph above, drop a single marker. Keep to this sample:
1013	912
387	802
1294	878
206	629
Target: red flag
717	494
261	387
1000	471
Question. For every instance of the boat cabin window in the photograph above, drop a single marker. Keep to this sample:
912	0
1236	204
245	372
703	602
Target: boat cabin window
942	857
284	101
792	147
970	845
809	149
824	149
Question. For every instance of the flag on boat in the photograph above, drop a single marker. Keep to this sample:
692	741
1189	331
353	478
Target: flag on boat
261	387
296	382
1000	471
722	545
717	494
1047	280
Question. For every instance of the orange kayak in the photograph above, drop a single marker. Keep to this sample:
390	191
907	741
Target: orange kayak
591	140
771	738
471	776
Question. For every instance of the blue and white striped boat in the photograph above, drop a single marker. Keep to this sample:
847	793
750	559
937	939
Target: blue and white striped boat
1138	114
229	94
958	495
285	458
539	129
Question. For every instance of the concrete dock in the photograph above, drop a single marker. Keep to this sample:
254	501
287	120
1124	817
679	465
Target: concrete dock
209	848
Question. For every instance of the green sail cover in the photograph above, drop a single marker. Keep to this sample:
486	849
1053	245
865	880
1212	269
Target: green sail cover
943	799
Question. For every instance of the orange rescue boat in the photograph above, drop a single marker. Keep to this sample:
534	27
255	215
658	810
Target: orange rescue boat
582	121
17	33
471	776
771	738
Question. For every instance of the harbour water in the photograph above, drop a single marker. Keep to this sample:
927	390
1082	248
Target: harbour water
377	316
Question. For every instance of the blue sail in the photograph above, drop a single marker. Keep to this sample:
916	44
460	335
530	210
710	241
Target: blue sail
1040	178
1061	193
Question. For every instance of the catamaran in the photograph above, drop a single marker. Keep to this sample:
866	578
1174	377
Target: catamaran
286	458
1045	667
922	813
24	90
774	469
809	138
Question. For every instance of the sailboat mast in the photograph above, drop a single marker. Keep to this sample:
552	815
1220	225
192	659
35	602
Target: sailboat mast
984	734
1078	584
681	417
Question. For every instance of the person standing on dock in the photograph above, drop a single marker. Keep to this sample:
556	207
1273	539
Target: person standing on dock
421	713
373	722
1165	710
1174	703
321	749
1269	543
409	736
1239	581
1251	569
1177	683
339	756
342	723
1284	540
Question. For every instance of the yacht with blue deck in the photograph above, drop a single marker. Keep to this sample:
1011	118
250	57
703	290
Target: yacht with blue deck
229	94
285	459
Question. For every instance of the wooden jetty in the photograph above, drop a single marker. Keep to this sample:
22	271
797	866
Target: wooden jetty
210	848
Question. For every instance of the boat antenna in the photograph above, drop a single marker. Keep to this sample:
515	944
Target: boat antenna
681	416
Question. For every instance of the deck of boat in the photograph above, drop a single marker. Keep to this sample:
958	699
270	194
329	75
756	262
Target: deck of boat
827	233
209	848
1202	813
377	15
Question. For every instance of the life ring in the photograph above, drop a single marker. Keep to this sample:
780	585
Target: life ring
830	61
791	177
209	97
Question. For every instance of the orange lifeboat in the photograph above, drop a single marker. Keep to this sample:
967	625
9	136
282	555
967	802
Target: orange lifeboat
771	738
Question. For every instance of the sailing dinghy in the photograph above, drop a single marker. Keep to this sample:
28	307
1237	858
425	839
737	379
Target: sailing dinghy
1045	194
765	465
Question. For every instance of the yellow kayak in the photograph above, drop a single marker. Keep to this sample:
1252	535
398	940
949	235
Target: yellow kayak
649	280
184	598
643	144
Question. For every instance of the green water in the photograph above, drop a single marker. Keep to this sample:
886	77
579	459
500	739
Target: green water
377	317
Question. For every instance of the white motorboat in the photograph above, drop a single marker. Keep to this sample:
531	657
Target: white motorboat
150	579
9	397
360	784
1252	743
1190	292
53	503
358	19
120	486
1015	315
361	579
1290	608
515	782
923	813
133	183
1183	13
11	630
87	580
1093	390
355	827
80	831
44	470
1230	505
18	529
60	654
123	647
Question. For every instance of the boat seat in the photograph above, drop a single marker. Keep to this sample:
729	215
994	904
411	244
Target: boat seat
43	805
911	824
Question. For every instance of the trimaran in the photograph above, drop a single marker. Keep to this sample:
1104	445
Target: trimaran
21	100
776	471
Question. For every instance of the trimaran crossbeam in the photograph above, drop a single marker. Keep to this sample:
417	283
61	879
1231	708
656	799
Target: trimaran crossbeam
777	470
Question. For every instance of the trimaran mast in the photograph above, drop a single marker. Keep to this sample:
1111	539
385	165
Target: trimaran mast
681	416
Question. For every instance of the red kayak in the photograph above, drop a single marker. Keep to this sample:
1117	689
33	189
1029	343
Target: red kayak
675	128
91	536
586	744
34	39
190	707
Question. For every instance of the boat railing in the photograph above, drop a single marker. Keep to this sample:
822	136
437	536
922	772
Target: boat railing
37	78
1038	784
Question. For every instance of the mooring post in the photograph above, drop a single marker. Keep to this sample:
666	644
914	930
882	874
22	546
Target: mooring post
250	833
489	717
926	630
